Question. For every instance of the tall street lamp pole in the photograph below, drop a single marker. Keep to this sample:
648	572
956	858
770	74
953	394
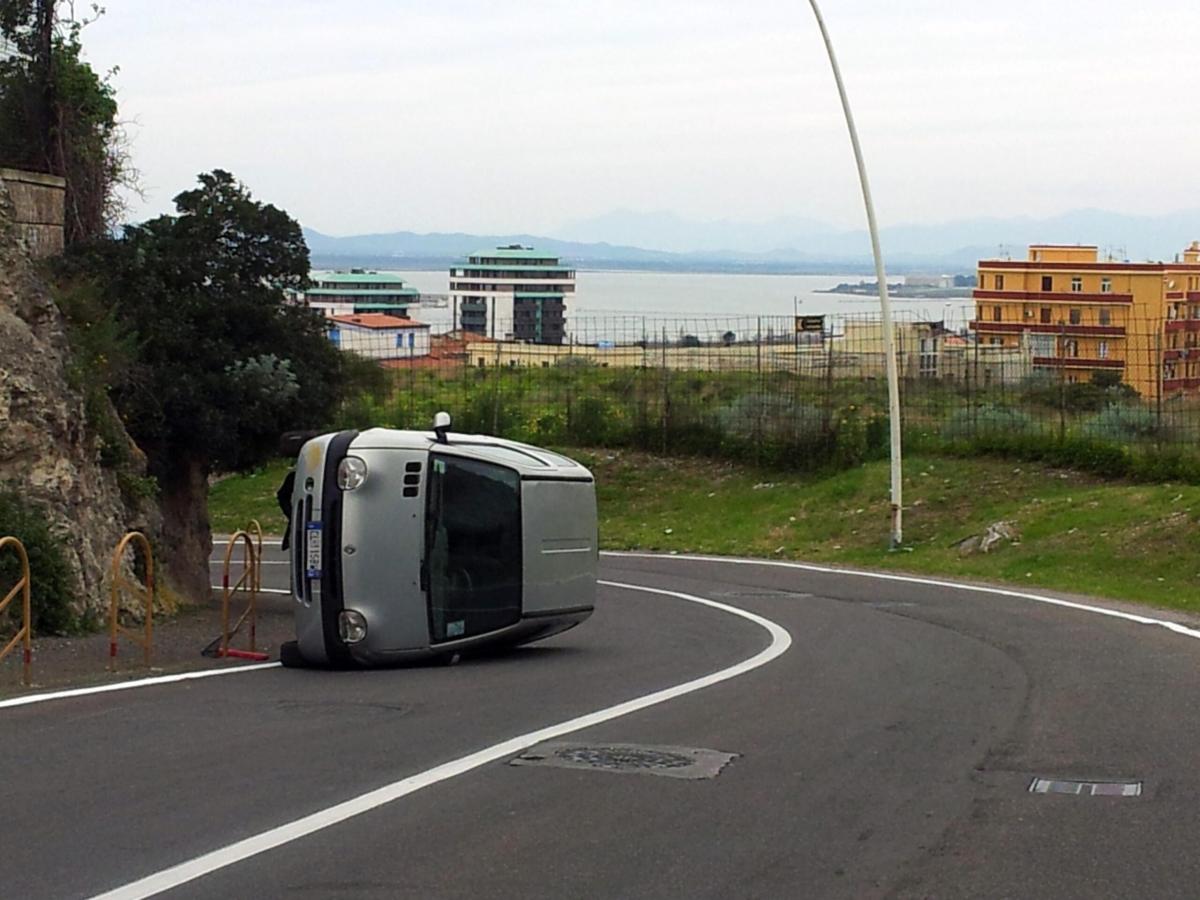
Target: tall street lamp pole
885	304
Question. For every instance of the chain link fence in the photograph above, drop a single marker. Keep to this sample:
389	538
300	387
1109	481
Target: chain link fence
764	388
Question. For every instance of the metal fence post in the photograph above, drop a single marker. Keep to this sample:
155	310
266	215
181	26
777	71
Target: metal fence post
496	387
666	400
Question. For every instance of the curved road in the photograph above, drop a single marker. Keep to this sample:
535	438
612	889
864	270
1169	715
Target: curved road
887	752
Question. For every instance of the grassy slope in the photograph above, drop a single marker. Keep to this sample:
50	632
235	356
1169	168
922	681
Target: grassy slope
1132	542
234	501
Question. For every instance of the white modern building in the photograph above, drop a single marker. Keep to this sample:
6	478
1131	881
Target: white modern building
380	336
512	292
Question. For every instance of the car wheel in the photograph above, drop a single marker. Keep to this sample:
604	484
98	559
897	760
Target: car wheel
289	656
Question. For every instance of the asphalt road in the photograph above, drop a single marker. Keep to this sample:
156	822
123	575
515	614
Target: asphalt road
887	752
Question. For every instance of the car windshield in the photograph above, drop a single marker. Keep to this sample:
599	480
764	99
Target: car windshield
473	547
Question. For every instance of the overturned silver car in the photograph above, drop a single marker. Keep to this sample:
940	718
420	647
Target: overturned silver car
408	545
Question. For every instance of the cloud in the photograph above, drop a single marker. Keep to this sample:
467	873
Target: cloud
522	116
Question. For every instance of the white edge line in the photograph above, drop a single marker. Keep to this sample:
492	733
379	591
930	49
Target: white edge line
218	587
283	834
136	683
932	582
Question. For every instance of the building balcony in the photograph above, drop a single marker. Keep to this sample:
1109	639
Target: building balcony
1069	297
1180	384
1077	362
1177	325
1044	328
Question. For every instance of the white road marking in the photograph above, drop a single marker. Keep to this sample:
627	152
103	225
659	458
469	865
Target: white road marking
275	837
932	582
265	562
217	587
129	685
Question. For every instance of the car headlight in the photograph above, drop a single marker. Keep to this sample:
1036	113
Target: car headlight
351	473
352	626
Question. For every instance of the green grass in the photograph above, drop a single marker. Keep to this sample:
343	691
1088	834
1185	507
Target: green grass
1079	534
234	501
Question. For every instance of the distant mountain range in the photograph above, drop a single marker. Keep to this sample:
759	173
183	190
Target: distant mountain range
662	240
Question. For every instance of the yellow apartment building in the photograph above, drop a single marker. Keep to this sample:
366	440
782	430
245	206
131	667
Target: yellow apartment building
1079	314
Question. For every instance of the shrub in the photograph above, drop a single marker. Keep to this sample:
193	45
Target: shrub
51	577
592	422
1104	388
1125	422
987	419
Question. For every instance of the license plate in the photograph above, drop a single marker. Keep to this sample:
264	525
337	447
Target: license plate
312	554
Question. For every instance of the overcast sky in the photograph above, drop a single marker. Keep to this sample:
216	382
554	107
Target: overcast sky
454	115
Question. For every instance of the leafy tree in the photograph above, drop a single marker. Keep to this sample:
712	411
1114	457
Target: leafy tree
59	115
225	361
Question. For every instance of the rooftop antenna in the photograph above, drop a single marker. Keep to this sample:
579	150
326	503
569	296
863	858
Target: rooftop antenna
441	425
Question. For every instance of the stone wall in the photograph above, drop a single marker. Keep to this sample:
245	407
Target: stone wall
46	453
37	209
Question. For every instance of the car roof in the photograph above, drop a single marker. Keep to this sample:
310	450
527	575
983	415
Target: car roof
530	461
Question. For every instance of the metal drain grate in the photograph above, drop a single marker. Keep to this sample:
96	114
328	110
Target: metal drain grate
1086	788
673	762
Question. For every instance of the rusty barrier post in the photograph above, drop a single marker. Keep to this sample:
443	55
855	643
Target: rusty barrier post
119	583
22	587
245	584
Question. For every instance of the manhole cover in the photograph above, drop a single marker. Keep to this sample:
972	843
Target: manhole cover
623	758
1086	788
674	762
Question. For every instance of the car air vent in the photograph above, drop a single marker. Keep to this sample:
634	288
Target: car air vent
412	478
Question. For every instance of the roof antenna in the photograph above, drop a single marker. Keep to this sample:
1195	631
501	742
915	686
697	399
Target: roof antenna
441	425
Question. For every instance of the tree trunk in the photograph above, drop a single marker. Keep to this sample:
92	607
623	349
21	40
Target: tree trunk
186	536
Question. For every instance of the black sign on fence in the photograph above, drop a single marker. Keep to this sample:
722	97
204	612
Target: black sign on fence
810	323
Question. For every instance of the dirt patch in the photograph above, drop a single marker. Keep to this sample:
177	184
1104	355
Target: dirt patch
60	662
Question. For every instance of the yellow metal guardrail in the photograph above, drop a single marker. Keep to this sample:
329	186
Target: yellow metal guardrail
118	584
22	587
246	584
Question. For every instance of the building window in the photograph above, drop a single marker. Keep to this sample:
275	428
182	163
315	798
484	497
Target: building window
999	282
1105	317
1076	316
1102	349
1071	349
1106	285
1047	282
1045	313
1076	284
1042	344
996	313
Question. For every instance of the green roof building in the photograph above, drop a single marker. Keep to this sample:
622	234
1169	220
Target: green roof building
360	291
512	292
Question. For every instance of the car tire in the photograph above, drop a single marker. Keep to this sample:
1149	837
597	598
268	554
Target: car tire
289	656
